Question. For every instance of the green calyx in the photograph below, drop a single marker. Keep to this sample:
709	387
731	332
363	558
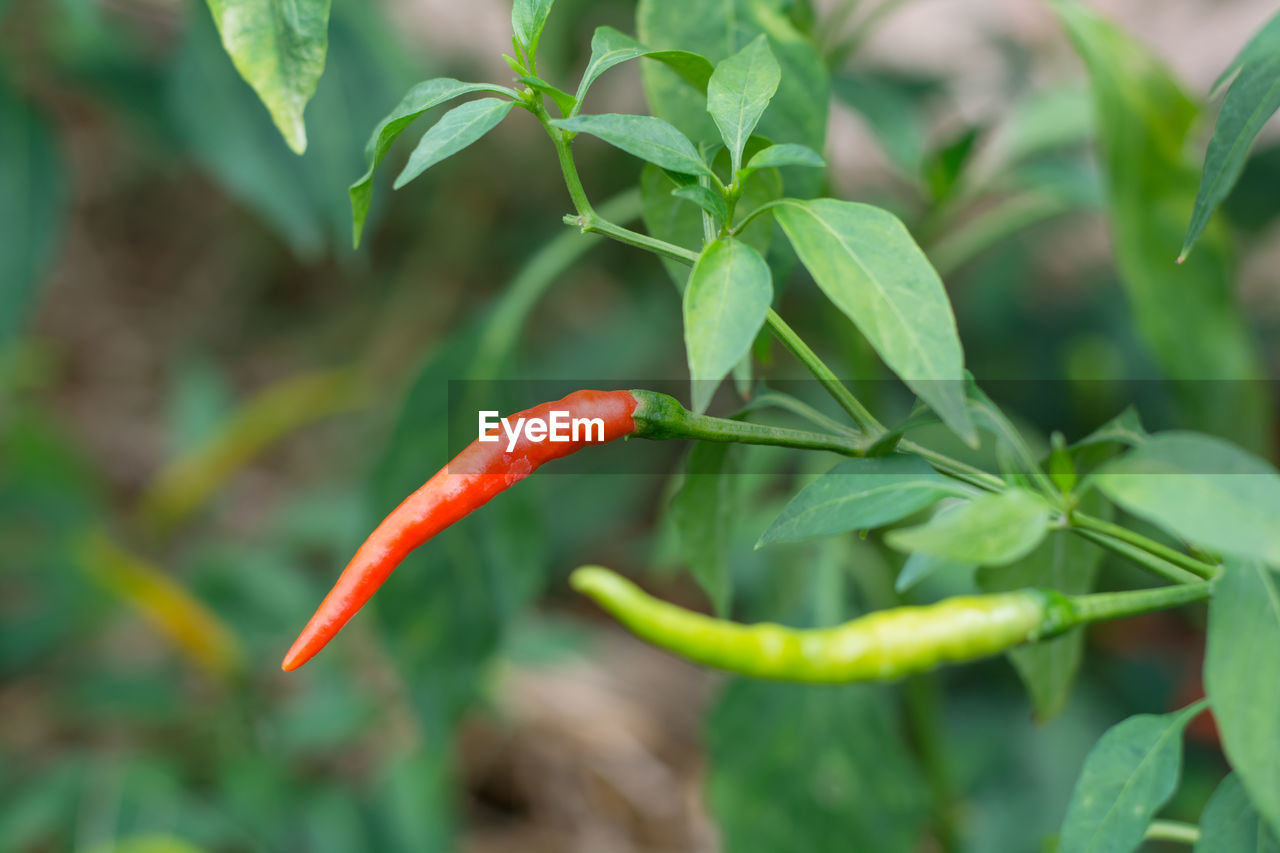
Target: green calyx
1057	613
659	416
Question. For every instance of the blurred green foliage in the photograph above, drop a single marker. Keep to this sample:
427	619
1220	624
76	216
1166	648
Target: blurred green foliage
113	739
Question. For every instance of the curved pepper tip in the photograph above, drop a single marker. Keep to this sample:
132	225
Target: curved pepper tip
296	656
587	579
599	583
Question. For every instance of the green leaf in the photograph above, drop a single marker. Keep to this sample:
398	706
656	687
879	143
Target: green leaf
1144	119
861	494
456	129
1011	448
565	102
233	140
1202	489
725	304
609	47
1253	98
703	517
786	154
1231	824
1124	428
646	137
677	220
528	17
865	261
1128	776
32	202
921	565
418	100
279	49
717	29
1062	467
739	92
1242	678
991	530
705	198
797	768
1069	564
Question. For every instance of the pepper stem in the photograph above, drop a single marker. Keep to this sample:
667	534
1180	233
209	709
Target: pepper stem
660	416
1117	605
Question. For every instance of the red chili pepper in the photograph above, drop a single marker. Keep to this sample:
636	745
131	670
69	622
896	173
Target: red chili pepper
480	472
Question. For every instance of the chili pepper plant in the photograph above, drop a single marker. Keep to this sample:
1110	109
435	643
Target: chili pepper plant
910	526
727	157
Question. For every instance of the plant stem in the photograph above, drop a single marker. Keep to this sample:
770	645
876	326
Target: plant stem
1102	606
955	468
842	395
592	223
587	220
1124	534
707	428
564	152
1173	830
1151	563
780	400
660	416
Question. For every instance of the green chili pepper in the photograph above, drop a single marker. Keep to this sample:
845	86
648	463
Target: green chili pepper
881	646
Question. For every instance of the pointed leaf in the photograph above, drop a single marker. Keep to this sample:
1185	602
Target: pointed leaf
456	129
706	199
717	29
528	17
1231	824
1124	428
921	565
1011	448
739	91
861	494
991	530
234	141
1253	98
279	50
1242	677
725	304
787	154
1199	340
865	261
677	220
565	102
646	137
418	100
609	47
1128	776
1200	488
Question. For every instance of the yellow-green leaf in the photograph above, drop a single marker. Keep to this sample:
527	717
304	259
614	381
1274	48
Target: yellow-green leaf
278	46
